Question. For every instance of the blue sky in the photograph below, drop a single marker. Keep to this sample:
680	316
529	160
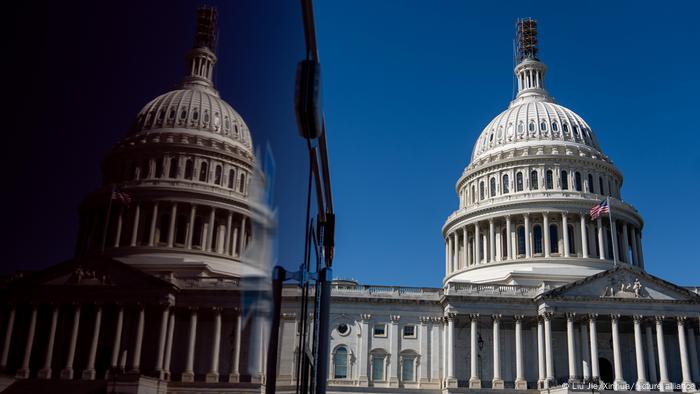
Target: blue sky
409	85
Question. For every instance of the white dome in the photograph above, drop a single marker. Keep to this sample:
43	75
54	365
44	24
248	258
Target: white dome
193	109
537	123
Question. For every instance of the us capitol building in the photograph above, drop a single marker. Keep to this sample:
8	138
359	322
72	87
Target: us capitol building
536	296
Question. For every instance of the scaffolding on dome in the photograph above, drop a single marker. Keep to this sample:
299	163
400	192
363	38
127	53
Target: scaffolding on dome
527	39
206	28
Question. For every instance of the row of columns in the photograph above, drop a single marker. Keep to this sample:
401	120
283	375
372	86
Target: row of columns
474	241
119	355
589	353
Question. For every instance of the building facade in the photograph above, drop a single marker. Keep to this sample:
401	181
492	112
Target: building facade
173	247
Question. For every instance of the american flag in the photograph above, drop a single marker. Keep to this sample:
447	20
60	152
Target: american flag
121	197
599	209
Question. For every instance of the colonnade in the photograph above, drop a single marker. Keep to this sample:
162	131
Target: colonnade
582	333
119	353
542	234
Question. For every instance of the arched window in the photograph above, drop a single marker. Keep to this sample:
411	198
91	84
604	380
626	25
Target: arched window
533	180
181	229
378	362
519	182
520	128
189	169
521	240
531	127
473	194
549	180
203	172
564	180
241	184
600	184
492	187
340	363
174	165
553	238
145	169
577	181
554	126
591	188
217	175
159	167
163	228
572	241
231	178
537	238
505	186
407	368
565	127
543	126
481	190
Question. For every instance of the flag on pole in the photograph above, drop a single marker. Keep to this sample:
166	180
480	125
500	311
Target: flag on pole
599	209
121	197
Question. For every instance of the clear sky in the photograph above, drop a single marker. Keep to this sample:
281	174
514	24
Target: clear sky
408	87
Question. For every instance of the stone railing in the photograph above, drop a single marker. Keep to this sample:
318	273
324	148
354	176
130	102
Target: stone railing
345	290
205	282
476	289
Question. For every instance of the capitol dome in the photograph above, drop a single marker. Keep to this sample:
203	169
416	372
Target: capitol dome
524	198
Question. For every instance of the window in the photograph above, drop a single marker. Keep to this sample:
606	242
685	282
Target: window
217	175
231	178
600	185
564	180
537	238
549	180
197	232
380	330
473	194
340	363
159	167
577	181
565	127
533	180
553	238
531	127
543	126
343	329
409	331
378	368
572	241
591	189
505	184
520	128
481	190
519	182
492	187
407	369
174	164
189	169
181	229
521	240
145	169
241	185
554	126
203	172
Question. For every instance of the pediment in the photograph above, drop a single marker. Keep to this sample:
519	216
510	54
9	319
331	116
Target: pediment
624	283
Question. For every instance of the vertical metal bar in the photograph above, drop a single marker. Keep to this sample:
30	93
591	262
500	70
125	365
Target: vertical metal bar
325	277
278	277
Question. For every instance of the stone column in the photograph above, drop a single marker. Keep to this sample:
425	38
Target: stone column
492	241
635	251
213	375
520	382
451	379
447	255
527	236
570	347
651	359
687	383
595	370
188	374
242	233
455	252
497	382
363	352
465	241
8	338
234	375
601	241
664	383
165	372
639	245
619	383
692	344
565	232
642	384
136	360
89	372
154	220
474	379
45	373
118	232
393	372
625	244
190	226
162	338
23	372
541	371
227	242
171	228
584	236
117	338
509	240
545	233
585	353
548	347
477	244
423	347
67	372
135	225
210	229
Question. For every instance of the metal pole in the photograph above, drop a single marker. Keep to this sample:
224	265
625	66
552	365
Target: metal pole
325	278
613	235
278	277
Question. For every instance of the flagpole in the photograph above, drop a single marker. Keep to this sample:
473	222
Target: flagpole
613	235
107	215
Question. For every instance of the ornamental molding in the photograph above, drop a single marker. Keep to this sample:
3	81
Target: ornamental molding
622	289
